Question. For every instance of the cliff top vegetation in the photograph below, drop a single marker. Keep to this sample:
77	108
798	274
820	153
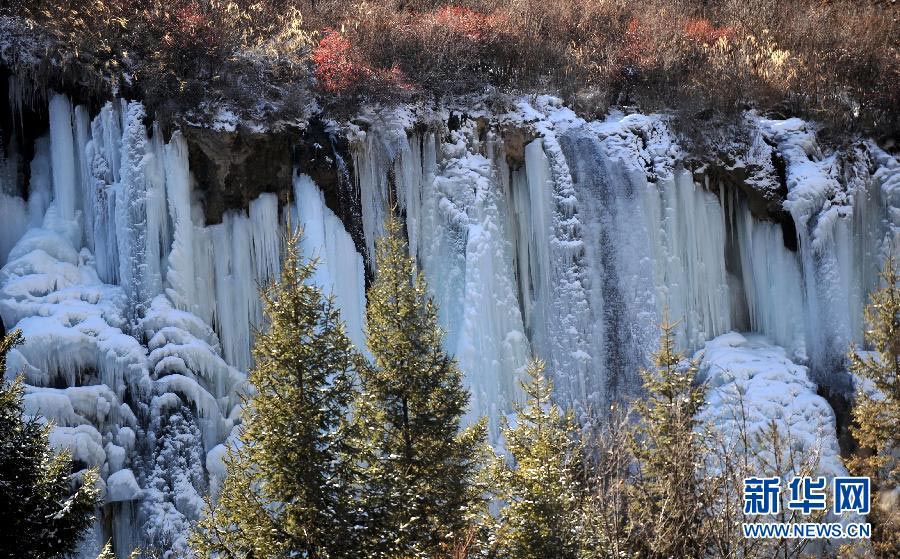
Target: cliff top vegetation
835	61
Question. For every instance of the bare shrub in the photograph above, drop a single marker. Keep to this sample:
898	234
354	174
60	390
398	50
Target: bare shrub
834	60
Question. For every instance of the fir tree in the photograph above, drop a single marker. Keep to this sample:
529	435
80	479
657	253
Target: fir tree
44	509
667	505
419	469
543	487
108	553
876	419
287	489
173	488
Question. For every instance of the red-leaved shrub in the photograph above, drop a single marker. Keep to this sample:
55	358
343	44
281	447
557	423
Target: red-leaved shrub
466	22
331	58
340	70
703	31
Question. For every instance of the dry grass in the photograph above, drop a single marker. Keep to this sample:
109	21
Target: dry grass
833	60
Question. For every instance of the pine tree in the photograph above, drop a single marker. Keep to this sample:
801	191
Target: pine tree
543	488
876	419
667	505
108	553
287	489
173	488
44	509
418	483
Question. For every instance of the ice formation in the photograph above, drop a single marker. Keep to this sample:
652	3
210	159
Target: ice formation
753	383
132	309
540	234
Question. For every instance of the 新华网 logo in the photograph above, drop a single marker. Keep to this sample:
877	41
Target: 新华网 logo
804	495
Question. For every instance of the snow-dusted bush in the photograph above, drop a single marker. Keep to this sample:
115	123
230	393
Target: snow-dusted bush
830	60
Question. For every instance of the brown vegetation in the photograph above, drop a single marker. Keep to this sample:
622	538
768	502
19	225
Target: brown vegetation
833	60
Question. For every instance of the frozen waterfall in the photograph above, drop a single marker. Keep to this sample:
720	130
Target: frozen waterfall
540	234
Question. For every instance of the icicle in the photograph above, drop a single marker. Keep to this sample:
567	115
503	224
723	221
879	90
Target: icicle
181	271
228	324
772	283
492	347
237	301
204	267
373	163
62	146
158	236
533	216
457	222
86	184
689	256
339	269
40	187
265	237
12	207
561	325
13	224
102	161
16	102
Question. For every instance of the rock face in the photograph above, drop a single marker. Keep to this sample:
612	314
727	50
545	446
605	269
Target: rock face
234	167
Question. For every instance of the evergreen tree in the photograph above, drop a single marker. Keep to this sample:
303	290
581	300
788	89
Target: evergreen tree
44	509
876	419
287	489
418	479
173	488
543	488
667	505
108	553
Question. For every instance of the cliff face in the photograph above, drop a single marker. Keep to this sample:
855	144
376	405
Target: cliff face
131	259
231	168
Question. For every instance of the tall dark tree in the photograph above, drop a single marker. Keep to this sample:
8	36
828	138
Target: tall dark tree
287	491
44	508
419	468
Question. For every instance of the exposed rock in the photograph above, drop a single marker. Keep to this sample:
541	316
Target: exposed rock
514	142
233	168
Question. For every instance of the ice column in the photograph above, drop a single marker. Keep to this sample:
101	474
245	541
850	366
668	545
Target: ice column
63	157
339	268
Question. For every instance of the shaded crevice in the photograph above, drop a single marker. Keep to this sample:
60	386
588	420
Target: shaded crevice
233	168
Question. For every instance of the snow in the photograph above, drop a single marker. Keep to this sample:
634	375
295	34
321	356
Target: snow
132	219
84	442
121	486
746	369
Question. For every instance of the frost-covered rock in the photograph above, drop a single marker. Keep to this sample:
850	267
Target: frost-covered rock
121	486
